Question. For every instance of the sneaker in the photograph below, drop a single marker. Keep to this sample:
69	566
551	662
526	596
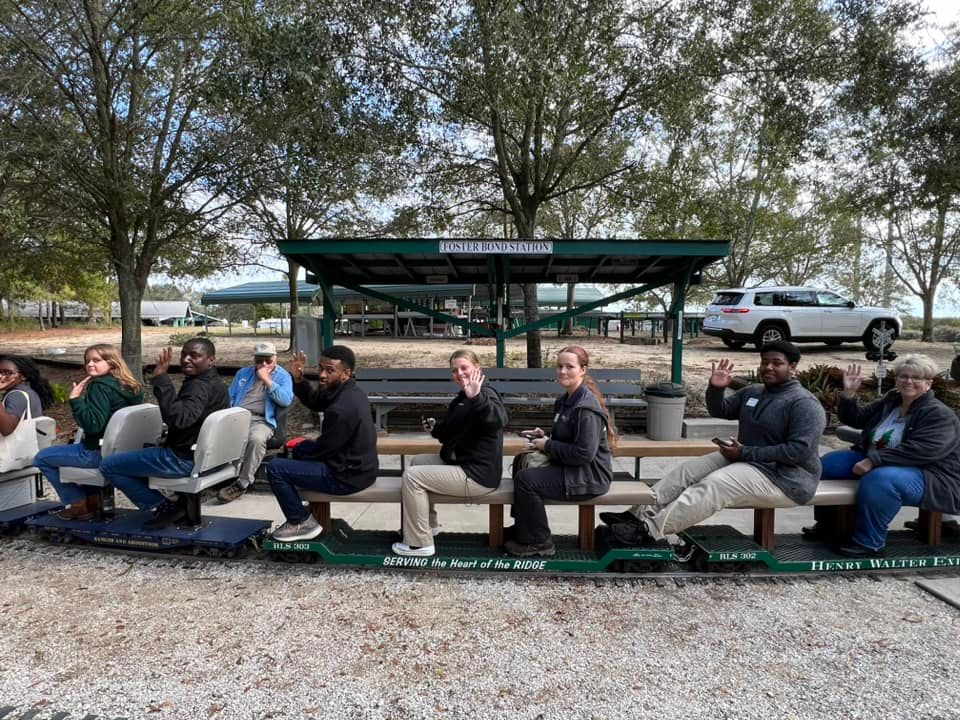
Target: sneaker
290	531
167	513
616	518
630	534
231	492
544	549
404	549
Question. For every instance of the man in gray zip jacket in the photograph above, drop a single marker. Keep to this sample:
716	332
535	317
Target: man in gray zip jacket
773	458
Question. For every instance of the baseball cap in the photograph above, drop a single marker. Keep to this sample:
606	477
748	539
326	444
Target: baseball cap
264	349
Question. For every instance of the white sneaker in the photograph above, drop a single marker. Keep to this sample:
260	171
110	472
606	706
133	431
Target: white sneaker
404	549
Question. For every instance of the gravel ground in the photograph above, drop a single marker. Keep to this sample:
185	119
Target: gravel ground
108	635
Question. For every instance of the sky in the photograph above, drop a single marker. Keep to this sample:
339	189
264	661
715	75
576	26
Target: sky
943	13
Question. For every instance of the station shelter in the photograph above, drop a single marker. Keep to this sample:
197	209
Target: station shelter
359	264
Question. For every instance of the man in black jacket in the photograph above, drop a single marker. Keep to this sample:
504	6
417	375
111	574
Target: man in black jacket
343	460
202	393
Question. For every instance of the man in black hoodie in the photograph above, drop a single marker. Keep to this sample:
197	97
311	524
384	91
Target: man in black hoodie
202	393
343	460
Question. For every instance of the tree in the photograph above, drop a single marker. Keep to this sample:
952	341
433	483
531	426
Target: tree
107	103
322	130
904	115
534	100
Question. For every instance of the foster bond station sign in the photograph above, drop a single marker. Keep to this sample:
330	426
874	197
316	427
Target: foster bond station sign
496	247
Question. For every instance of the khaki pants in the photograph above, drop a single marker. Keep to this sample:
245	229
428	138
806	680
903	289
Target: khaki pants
260	433
699	488
428	474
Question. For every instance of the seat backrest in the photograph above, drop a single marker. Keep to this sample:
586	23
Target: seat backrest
132	428
46	431
222	439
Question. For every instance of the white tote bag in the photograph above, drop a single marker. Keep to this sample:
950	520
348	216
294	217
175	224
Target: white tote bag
18	449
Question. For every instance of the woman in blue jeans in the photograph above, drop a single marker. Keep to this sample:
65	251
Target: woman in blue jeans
108	386
908	453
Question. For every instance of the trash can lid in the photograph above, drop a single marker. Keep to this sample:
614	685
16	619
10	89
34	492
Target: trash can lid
665	390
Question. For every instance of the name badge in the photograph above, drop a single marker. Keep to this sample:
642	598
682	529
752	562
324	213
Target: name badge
752	402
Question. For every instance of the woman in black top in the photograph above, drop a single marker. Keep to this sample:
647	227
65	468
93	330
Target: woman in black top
578	447
471	455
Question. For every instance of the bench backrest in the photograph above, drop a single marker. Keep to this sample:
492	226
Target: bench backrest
507	381
222	439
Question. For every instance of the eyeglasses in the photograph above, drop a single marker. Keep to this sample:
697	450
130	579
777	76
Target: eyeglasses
9	373
911	379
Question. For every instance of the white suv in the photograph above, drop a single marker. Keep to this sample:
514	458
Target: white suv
800	314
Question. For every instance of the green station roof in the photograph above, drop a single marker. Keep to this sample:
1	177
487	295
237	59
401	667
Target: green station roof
365	261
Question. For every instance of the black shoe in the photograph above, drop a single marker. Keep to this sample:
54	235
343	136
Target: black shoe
166	513
856	550
814	532
618	518
544	549
948	528
631	534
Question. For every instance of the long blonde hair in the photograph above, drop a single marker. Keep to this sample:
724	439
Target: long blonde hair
584	360
118	366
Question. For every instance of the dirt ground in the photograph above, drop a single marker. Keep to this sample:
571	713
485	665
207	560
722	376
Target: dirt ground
653	360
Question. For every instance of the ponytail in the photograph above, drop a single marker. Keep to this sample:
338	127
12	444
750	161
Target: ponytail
583	358
611	428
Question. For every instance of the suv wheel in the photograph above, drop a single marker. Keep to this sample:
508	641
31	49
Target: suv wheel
868	340
770	332
733	344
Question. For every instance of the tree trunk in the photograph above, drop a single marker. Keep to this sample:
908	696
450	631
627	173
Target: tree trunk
293	270
131	296
928	297
888	266
571	298
531	313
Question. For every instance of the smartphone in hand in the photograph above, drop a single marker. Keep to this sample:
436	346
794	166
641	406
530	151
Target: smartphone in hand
722	443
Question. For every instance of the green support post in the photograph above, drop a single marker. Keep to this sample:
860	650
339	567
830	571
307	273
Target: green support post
676	312
329	313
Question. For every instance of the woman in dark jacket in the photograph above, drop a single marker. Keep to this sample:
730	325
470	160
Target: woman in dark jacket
108	386
578	449
908	454
471	455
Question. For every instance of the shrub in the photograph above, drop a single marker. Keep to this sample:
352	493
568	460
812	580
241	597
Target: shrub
61	392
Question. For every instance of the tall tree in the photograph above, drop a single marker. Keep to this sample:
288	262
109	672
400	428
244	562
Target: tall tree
535	100
322	128
108	101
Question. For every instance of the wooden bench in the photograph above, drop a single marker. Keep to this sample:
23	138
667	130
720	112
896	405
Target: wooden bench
389	388
622	492
839	493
